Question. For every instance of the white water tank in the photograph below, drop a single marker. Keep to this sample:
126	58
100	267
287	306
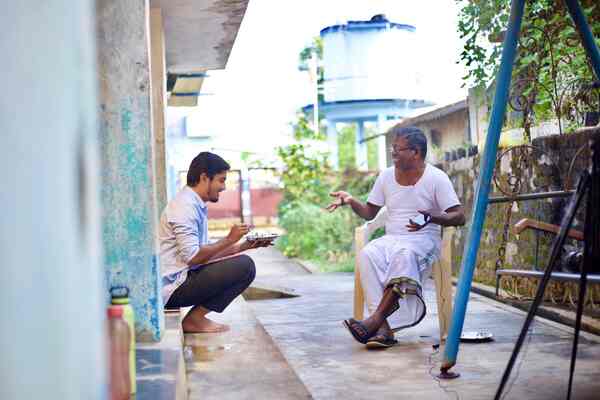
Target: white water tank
371	60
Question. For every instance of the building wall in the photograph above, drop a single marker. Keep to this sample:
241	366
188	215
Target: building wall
549	172
52	339
130	205
444	134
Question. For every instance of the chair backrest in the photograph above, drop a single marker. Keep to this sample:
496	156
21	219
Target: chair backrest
378	222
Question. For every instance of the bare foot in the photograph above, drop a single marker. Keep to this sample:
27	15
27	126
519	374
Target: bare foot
203	325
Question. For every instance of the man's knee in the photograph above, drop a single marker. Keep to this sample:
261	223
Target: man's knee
248	267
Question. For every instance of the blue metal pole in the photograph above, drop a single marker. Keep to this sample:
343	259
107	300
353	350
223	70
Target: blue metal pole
586	34
486	168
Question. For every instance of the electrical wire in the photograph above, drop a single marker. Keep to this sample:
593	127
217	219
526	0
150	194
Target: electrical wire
432	364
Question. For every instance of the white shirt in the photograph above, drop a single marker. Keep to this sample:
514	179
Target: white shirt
182	230
432	193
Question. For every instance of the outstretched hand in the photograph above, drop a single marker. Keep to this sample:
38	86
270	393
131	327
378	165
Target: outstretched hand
341	199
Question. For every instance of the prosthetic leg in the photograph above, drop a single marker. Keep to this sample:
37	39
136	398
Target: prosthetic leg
403	287
396	289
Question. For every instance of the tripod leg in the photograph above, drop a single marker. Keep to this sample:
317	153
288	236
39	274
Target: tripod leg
559	241
582	289
591	250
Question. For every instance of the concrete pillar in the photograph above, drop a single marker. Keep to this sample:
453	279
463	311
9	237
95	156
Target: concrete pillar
52	339
381	146
361	147
129	220
332	143
159	101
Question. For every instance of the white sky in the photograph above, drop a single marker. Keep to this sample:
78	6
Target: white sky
255	98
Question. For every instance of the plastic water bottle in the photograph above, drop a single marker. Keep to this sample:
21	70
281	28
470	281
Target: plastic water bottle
119	296
120	339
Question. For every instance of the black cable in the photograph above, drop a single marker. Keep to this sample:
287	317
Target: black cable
435	352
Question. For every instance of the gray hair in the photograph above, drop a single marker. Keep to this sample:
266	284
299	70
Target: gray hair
415	138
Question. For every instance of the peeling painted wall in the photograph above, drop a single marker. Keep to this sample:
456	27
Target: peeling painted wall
129	217
549	172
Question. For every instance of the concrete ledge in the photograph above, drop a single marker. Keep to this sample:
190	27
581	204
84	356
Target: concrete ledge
160	366
243	363
261	291
565	317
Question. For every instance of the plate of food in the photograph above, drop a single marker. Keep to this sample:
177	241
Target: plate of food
261	236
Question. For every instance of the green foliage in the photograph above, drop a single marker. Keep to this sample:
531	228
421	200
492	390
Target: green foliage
347	147
303	177
478	23
305	170
551	68
302	130
311	232
372	150
316	47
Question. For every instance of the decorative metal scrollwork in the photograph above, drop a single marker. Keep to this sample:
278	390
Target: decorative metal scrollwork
571	97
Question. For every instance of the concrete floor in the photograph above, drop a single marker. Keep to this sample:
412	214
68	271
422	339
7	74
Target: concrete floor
308	330
297	348
243	363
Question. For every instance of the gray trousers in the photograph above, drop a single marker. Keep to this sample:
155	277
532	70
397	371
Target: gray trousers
214	286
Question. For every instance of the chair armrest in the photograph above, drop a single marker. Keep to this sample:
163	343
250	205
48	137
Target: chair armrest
528	223
376	223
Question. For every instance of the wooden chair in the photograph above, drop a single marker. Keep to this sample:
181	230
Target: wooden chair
441	272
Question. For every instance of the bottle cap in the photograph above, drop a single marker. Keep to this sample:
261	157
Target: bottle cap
119	292
115	312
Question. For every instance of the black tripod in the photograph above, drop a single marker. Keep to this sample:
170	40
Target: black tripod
589	184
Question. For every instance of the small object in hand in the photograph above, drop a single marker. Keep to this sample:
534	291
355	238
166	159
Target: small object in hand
420	220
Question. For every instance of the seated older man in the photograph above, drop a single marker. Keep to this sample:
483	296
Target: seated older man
420	199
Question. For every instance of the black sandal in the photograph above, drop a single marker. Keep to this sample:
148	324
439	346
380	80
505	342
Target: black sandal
381	341
358	330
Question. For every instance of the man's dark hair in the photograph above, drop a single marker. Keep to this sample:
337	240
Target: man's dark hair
205	163
415	138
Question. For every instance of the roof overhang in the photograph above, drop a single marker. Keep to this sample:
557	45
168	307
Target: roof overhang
199	34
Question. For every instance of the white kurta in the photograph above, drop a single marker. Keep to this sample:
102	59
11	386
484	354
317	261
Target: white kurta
400	253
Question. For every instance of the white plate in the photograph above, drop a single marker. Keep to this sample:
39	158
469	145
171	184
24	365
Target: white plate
481	335
261	236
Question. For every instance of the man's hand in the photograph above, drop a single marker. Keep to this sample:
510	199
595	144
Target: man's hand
341	199
413	226
237	232
255	244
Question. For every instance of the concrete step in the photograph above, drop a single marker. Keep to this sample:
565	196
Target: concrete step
160	366
243	363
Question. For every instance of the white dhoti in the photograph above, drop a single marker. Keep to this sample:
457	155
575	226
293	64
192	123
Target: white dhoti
397	256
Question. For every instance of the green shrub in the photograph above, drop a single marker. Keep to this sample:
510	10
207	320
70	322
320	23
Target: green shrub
313	233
